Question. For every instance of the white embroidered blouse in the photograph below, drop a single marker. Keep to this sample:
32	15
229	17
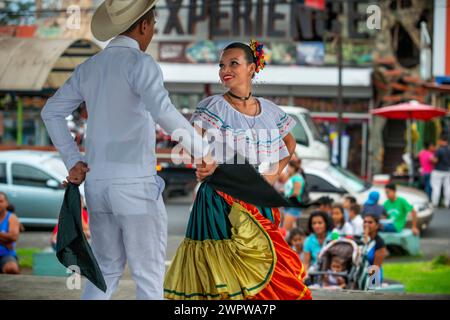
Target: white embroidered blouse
259	138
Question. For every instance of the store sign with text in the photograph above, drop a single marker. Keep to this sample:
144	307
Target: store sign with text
295	20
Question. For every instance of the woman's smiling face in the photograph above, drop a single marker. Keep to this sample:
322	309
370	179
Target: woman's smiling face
235	70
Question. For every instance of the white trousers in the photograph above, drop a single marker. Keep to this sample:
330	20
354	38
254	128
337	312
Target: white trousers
437	180
128	223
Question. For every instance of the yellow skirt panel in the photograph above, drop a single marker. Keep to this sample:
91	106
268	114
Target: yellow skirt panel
236	268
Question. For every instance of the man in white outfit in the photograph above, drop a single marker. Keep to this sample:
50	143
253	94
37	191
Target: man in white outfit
440	176
125	97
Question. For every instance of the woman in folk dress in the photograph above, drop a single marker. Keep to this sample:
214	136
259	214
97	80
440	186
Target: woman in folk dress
233	249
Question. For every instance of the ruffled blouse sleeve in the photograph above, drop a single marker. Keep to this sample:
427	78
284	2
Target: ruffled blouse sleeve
285	123
206	115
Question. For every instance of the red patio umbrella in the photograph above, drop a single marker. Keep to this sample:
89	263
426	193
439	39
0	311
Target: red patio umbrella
412	110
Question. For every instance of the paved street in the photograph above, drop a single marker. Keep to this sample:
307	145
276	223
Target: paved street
55	288
436	239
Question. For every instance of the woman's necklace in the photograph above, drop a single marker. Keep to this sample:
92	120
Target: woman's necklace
240	98
257	109
245	118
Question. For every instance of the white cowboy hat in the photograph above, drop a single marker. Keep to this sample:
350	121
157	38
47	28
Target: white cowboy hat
113	17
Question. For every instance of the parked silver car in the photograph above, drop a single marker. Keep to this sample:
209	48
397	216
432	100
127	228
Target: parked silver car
32	182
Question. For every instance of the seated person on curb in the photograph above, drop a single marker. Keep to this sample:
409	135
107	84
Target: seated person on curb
325	204
319	228
342	227
371	206
376	247
356	220
9	234
296	239
397	209
348	202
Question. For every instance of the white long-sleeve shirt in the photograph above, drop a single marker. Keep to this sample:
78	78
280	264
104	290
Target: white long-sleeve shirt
125	97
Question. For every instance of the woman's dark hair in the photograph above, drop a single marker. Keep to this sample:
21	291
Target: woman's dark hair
341	209
10	207
375	217
294	232
249	55
4	195
294	164
325	200
356	208
351	199
325	218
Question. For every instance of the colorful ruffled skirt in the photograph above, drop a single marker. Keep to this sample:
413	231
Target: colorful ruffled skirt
234	250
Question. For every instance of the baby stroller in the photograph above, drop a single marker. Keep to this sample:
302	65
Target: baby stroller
350	252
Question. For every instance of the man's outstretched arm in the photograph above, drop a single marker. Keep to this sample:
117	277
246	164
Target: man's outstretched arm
147	80
54	115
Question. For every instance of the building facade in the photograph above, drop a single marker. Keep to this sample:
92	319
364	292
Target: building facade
382	50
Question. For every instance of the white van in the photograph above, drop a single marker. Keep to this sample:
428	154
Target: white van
309	142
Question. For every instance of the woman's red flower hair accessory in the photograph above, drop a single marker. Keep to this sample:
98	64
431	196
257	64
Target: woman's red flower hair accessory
258	52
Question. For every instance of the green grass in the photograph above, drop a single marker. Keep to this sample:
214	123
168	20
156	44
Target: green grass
26	256
421	277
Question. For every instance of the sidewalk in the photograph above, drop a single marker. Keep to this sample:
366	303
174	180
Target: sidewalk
23	287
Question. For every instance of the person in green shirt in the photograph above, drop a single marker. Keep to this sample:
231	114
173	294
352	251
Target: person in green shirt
397	209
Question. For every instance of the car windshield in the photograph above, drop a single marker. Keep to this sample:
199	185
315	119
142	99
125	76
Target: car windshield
299	132
350	181
312	126
56	165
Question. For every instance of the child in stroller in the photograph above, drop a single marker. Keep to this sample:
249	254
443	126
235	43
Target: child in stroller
332	281
337	265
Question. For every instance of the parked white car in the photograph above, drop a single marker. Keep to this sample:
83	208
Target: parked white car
325	179
309	142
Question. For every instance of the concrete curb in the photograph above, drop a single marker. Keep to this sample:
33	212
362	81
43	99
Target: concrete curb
27	287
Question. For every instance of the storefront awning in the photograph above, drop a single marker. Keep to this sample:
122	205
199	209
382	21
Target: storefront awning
31	64
272	75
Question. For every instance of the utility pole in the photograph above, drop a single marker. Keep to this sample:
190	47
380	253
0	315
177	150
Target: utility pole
38	9
339	90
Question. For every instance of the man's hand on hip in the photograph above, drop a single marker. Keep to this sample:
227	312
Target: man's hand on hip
77	174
